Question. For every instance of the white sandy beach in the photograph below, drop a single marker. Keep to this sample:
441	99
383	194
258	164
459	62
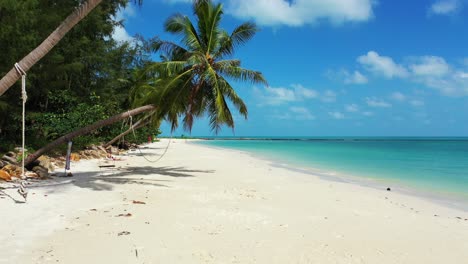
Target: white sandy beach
205	205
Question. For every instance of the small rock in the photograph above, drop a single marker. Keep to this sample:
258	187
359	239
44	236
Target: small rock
20	150
10	159
60	164
11	154
46	162
114	150
41	171
30	174
95	154
388	189
124	215
123	233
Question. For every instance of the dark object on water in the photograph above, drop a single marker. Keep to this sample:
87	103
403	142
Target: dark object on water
388	189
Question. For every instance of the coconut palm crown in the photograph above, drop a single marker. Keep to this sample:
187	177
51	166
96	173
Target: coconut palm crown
193	76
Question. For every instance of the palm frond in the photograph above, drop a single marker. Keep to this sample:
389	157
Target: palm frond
171	50
223	64
239	36
241	74
208	24
182	26
231	94
167	68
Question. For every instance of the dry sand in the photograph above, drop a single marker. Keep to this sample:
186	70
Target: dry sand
205	205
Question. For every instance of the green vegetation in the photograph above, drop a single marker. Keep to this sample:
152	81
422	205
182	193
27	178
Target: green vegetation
193	78
89	78
85	78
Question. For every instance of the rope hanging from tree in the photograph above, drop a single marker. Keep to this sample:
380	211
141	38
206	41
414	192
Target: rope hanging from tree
22	188
142	154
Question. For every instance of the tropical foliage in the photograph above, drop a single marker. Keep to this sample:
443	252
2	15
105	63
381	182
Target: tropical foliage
88	82
83	79
193	78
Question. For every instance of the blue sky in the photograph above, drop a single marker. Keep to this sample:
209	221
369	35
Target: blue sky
341	67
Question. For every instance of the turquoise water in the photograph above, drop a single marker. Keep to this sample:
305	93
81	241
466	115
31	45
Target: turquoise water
435	165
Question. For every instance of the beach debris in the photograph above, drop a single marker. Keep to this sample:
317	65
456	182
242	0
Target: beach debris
31	174
389	189
13	170
47	162
5	175
41	171
11	154
458	217
10	159
94	210
123	233
138	202
124	215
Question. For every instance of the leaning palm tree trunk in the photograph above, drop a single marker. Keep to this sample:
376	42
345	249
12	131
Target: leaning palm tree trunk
34	56
141	123
88	129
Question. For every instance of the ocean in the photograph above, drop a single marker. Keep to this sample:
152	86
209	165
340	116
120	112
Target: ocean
434	166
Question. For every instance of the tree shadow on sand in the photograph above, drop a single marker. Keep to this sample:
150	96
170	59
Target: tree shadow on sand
107	178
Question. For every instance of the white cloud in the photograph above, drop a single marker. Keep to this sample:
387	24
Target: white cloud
445	7
417	103
295	93
397	96
275	96
432	71
430	66
355	78
336	115
120	34
375	102
352	108
382	65
301	91
301	113
328	96
281	95
368	113
301	12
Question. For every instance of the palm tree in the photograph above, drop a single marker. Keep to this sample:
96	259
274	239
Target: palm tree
192	79
34	56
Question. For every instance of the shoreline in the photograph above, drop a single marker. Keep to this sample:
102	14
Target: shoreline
449	199
202	205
